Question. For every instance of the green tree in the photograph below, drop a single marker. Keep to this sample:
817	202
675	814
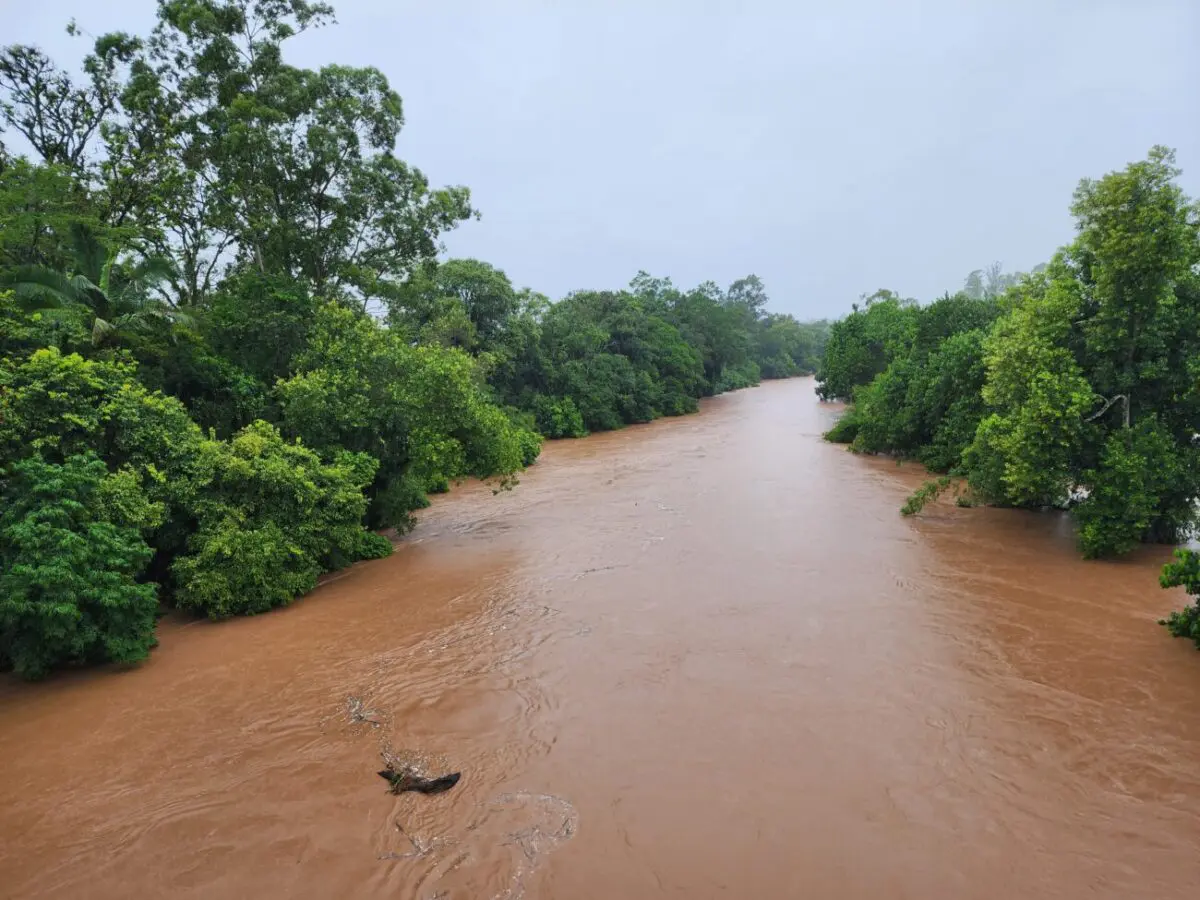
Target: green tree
271	517
927	402
308	185
785	347
261	322
618	361
1026	452
861	345
1091	375
63	405
40	206
115	298
459	303
22	332
420	411
1137	335
750	293
71	554
58	117
1136	467
1184	572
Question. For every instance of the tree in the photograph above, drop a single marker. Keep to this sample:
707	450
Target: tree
617	361
459	303
22	332
261	322
292	168
1184	572
1138	331
115	298
71	553
861	345
1026	450
40	206
926	403
786	347
58	118
419	411
1087	397
1136	468
750	293
204	145
271	517
721	332
61	405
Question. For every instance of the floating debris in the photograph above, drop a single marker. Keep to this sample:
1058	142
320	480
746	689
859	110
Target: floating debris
357	710
407	779
420	848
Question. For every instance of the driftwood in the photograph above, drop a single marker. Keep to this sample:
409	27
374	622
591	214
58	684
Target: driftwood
405	778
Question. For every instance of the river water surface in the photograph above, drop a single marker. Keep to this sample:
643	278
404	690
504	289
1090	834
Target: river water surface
699	658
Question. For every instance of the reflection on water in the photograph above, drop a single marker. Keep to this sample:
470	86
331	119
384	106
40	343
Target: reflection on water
699	658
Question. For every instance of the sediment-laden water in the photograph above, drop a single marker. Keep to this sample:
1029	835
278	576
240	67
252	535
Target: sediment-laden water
700	658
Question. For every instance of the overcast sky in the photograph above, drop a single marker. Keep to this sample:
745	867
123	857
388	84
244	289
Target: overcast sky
831	148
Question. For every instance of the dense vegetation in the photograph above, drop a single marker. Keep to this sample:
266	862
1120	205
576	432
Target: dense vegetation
229	354
1075	386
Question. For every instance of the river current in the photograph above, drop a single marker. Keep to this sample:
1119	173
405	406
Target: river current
700	658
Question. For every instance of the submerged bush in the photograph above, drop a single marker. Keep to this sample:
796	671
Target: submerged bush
924	495
845	429
1184	572
734	378
271	517
558	417
420	411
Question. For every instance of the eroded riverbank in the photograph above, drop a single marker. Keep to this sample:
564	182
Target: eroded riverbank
701	658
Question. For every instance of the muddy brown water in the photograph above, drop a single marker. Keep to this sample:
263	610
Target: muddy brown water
700	658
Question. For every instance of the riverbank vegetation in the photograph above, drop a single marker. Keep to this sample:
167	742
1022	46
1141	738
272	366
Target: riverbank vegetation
230	354
1074	386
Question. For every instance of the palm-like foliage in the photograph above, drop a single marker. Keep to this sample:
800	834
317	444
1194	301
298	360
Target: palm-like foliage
118	296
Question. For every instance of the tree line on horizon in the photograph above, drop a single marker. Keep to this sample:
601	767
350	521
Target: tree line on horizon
1075	386
230	355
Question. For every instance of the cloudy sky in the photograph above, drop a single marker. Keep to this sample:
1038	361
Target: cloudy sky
831	148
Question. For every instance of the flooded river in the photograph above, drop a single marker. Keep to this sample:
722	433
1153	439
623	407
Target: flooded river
700	658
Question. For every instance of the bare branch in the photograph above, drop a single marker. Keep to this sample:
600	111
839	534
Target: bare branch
1108	405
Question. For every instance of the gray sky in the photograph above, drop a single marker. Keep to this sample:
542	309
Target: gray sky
831	148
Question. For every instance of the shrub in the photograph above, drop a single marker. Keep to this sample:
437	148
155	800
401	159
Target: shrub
558	417
71	552
529	436
21	332
1184	572
734	378
420	411
62	405
845	429
271	517
531	446
924	495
